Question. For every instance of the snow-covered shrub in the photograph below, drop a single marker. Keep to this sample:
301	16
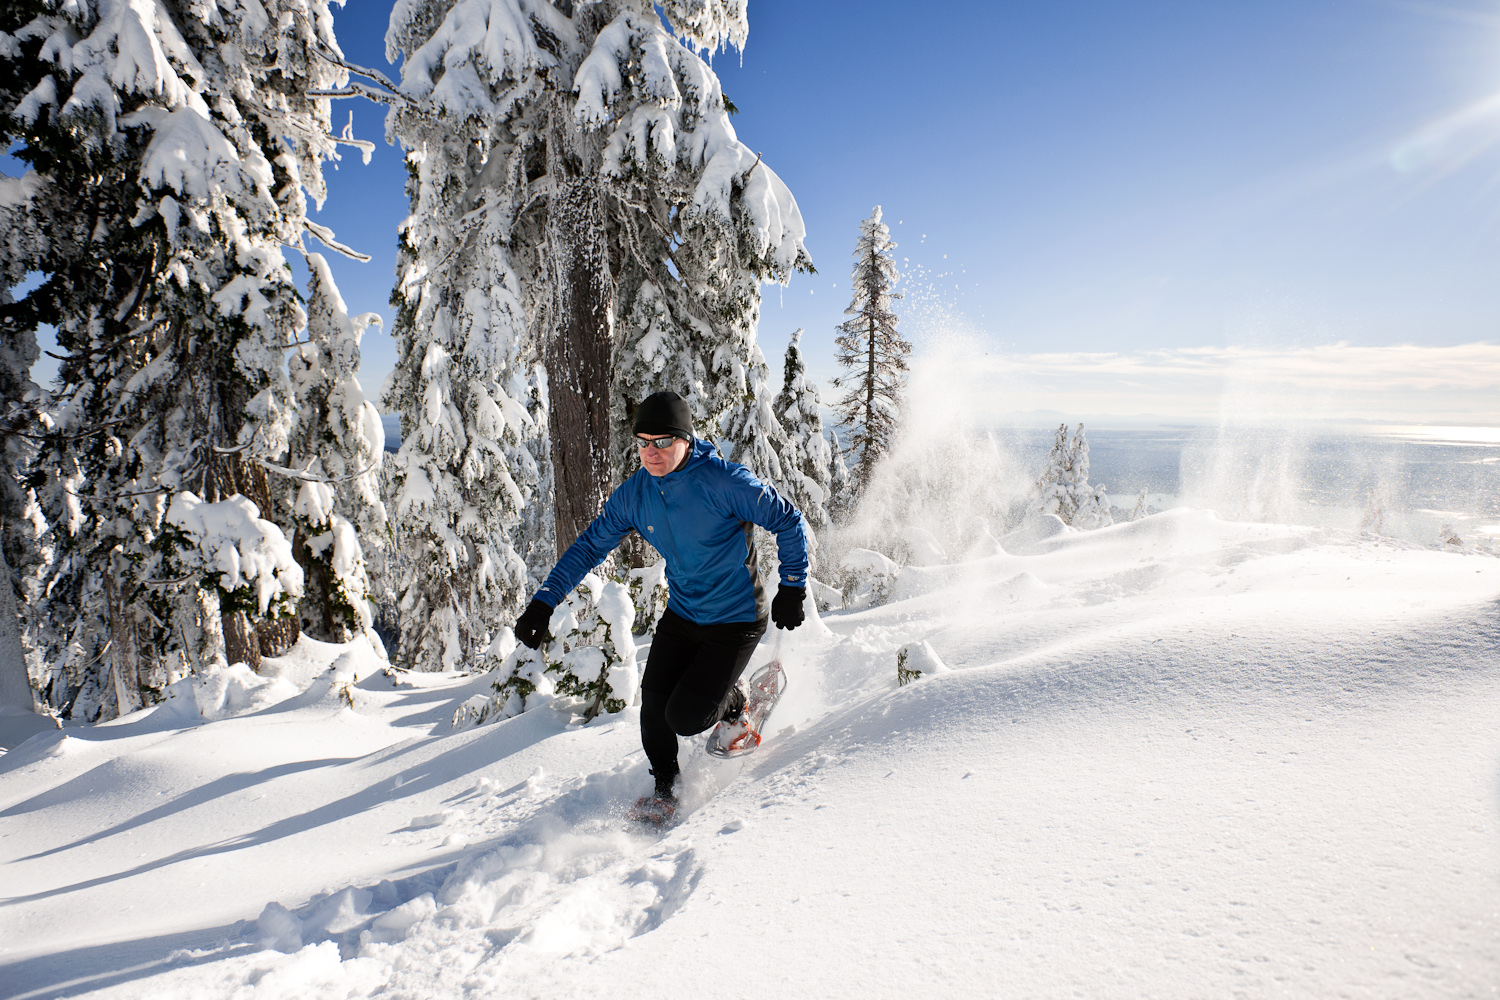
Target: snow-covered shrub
588	657
825	597
1063	487
649	593
1449	539
1140	510
866	578
916	660
597	662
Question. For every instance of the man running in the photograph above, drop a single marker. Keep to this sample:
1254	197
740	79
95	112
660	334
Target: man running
699	511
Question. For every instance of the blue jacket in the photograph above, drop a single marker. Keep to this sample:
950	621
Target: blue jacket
701	519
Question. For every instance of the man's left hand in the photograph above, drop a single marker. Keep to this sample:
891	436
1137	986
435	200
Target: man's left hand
786	609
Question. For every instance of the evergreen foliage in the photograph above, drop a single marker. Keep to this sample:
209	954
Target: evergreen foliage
806	459
1063	487
649	593
171	151
866	578
904	675
871	352
916	660
24	548
841	499
586	229
339	442
586	662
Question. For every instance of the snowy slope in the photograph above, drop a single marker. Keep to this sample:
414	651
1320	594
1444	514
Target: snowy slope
1180	757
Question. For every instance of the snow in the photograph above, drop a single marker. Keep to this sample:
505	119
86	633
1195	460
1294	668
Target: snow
235	543
1176	757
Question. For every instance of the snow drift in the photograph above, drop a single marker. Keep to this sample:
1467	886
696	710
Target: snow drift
1178	757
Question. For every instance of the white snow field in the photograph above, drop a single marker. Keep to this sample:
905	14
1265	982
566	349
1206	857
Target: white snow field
1181	757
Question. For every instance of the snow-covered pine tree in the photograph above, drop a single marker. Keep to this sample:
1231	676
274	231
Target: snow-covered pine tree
1140	510
1063	487
753	437
1053	493
337	447
171	150
806	458
871	352
840	481
751	434
586	229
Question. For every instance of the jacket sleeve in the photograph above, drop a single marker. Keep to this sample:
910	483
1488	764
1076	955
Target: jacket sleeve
589	549
759	503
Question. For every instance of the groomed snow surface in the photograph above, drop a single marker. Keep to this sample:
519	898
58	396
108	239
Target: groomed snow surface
1180	757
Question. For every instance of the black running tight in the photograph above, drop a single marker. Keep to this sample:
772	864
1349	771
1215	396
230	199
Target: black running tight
689	680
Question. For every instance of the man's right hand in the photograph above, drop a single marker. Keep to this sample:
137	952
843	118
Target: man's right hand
531	627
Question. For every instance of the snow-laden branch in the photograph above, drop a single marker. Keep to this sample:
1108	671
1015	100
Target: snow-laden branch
325	235
323	52
308	477
356	89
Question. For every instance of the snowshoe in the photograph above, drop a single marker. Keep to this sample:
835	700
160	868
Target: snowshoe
653	810
740	735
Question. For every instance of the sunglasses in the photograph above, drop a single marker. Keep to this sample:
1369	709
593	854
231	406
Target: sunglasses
660	444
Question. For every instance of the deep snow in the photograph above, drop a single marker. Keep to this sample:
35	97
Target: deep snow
1181	757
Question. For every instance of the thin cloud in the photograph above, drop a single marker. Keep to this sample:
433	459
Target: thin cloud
1397	383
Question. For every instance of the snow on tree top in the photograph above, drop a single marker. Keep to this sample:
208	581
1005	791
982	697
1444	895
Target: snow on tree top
131	49
496	35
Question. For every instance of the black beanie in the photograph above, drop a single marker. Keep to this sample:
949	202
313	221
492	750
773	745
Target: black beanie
664	413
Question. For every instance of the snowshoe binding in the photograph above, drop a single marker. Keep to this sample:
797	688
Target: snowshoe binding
741	734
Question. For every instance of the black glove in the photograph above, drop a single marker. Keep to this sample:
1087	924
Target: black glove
532	625
786	609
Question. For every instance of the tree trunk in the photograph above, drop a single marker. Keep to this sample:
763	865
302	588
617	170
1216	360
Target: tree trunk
316	617
246	641
578	370
124	659
15	684
241	645
867	460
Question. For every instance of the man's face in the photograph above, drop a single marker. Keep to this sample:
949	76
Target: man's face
660	461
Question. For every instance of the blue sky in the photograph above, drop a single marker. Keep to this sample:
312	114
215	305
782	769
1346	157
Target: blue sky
1097	191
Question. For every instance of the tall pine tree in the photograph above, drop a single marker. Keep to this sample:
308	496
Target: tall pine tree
871	352
171	152
586	229
336	454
